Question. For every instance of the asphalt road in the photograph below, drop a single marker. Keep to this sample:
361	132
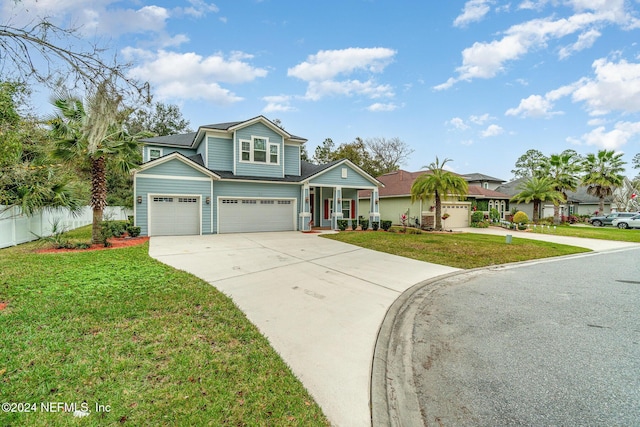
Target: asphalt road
548	343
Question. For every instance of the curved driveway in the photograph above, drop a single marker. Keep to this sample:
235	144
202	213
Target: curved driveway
319	302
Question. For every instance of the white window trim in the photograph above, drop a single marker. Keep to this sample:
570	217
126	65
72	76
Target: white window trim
268	146
342	209
154	148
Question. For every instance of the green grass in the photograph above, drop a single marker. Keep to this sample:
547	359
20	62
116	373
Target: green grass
159	346
604	233
461	250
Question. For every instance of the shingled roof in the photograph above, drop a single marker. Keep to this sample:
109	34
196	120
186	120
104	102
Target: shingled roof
398	184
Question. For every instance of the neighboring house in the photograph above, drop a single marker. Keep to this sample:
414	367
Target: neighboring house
483	181
242	177
579	202
395	200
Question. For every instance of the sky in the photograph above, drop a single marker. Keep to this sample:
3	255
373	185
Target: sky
478	82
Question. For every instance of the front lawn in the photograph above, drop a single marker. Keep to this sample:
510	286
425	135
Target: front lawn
591	232
461	250
156	346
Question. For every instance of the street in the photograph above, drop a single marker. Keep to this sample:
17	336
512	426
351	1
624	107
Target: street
547	343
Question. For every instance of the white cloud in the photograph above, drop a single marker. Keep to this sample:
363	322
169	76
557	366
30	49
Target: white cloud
533	106
616	86
327	64
474	10
467	142
458	123
277	103
492	130
192	76
585	41
321	72
614	139
378	107
480	120
487	59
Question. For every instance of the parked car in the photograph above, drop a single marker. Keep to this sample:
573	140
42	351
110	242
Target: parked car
633	222
602	220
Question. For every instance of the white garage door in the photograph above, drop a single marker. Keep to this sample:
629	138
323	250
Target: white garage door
458	215
174	215
252	215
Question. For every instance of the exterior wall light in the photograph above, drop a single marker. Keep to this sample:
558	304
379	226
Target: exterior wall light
139	199
208	200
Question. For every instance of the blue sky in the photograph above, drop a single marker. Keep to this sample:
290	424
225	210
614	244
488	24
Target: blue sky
479	82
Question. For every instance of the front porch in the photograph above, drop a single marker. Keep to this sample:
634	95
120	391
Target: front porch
323	206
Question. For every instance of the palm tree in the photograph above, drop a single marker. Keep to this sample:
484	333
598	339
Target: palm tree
562	169
538	190
439	183
88	134
603	172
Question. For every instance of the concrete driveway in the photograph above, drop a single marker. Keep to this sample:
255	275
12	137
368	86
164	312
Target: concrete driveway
319	302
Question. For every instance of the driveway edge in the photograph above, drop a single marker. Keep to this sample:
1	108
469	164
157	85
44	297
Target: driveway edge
390	405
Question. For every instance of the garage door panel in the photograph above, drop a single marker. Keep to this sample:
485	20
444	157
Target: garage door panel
175	215
254	215
459	215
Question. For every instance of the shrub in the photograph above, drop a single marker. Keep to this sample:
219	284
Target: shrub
385	225
133	231
342	224
520	218
494	214
480	224
522	226
375	225
364	224
354	225
477	217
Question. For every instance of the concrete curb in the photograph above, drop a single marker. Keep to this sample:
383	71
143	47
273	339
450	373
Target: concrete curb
392	405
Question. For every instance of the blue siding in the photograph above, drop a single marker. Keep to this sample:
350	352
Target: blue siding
165	151
220	154
249	189
145	186
292	160
257	169
334	177
173	167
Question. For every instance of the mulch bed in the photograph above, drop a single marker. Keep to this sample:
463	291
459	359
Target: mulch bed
115	244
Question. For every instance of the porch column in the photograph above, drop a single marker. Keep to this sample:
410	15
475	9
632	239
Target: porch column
374	207
305	211
337	207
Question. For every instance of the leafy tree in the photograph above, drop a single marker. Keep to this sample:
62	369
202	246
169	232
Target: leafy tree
530	164
440	184
324	152
602	174
357	153
160	120
636	164
388	154
563	169
90	134
538	190
29	179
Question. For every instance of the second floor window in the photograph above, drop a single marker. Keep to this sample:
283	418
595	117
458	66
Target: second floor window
259	150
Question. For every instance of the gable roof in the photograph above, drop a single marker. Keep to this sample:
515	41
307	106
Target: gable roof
481	177
191	139
309	170
193	161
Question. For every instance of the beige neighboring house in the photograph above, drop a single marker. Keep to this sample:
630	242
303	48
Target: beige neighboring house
395	200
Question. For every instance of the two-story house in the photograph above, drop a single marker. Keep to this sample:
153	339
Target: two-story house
243	176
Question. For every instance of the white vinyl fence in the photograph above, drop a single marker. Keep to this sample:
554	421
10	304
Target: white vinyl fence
16	228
